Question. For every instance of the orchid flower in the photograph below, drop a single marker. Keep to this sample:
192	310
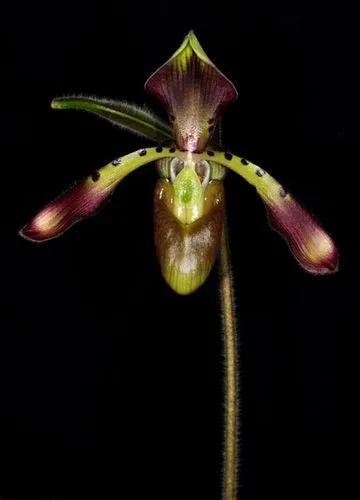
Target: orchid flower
189	195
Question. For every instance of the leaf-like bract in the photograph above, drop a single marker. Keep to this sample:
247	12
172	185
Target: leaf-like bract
139	120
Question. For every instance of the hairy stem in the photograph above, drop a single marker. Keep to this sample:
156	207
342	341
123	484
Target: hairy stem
231	452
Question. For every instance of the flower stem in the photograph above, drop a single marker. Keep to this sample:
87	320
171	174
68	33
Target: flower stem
231	438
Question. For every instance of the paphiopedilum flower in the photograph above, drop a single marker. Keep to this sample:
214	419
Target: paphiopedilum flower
189	196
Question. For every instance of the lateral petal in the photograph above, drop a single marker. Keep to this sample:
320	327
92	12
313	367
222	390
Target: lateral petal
83	199
308	241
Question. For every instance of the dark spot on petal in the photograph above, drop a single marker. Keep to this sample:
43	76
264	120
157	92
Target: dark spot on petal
116	162
143	152
172	118
210	153
172	150
260	172
211	121
95	175
228	156
211	128
282	192
158	149
244	162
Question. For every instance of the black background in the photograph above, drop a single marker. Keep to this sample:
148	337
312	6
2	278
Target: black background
110	384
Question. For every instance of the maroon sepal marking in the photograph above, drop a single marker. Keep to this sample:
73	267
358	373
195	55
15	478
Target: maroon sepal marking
194	93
